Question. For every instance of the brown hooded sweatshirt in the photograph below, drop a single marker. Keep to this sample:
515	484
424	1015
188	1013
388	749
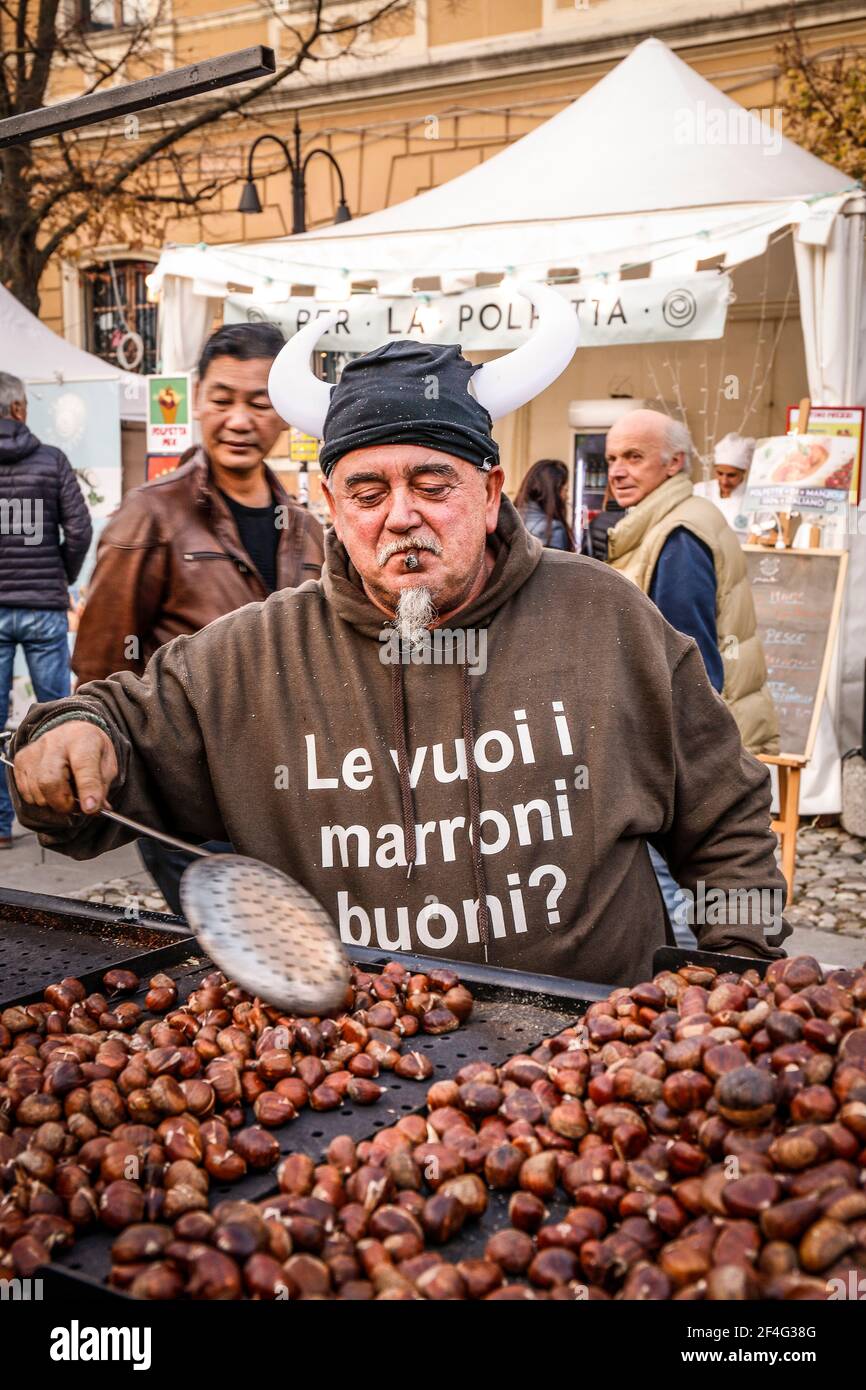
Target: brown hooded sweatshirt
588	727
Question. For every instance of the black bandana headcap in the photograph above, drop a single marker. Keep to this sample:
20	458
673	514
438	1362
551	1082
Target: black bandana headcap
408	393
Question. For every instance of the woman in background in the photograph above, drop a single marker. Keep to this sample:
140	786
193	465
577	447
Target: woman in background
541	503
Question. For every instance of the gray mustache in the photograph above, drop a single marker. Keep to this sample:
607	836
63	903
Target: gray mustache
407	543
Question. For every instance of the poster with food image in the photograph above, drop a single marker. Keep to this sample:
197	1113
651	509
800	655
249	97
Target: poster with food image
843	420
157	464
169	414
806	473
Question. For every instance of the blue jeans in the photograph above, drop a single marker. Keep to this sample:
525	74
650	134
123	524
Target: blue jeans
41	632
166	865
685	937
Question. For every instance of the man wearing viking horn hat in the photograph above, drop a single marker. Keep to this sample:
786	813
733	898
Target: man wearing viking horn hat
461	743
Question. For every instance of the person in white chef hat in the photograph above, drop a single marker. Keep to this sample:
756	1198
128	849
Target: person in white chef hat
727	489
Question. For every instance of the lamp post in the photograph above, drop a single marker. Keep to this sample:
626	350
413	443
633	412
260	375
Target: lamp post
250	202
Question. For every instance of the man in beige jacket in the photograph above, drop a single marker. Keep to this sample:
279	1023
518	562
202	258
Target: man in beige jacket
679	550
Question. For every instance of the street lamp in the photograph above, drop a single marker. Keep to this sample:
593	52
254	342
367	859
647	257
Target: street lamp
250	201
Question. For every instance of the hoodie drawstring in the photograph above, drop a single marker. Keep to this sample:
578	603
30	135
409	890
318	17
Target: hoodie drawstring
474	805
398	714
398	708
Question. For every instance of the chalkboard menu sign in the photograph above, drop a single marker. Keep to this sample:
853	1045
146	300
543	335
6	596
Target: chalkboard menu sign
798	597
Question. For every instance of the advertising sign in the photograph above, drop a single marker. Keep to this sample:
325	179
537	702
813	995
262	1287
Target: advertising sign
303	448
157	464
169	414
806	473
846	421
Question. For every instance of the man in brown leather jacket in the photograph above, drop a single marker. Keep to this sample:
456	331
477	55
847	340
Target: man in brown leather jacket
217	533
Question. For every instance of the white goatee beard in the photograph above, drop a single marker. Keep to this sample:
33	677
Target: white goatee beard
415	614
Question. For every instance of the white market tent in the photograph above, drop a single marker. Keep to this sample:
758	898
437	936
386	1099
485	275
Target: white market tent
31	351
654	167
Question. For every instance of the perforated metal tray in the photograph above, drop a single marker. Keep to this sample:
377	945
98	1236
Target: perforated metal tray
506	1018
513	1012
43	938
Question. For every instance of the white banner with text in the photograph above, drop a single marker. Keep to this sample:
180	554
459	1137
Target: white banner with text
691	307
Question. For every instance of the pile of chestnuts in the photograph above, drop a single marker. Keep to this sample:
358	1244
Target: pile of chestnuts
703	1133
117	1115
699	1136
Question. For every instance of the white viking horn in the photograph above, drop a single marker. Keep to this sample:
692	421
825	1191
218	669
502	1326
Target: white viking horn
297	394
517	376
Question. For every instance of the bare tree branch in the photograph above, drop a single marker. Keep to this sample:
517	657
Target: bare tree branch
186	199
21	40
825	100
37	79
51	190
5	94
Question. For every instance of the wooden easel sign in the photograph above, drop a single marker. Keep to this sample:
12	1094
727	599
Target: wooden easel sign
798	602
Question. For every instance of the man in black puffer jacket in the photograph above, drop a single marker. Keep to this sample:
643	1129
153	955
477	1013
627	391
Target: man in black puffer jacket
39	495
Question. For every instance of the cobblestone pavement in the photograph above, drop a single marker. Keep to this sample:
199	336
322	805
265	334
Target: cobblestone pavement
124	892
830	883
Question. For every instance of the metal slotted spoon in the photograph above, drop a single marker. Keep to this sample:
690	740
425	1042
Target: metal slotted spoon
266	931
261	927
